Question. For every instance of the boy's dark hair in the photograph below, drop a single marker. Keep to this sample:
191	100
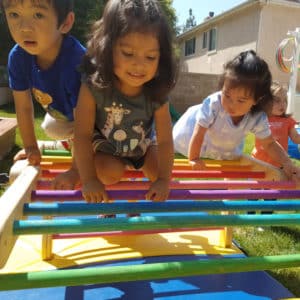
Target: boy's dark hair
250	71
61	7
121	17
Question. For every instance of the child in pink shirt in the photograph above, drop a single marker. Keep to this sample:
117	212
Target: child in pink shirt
282	125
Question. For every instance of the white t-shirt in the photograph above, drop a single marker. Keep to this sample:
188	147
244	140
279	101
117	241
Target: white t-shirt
223	139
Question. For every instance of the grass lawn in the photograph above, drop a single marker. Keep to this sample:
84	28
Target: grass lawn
272	241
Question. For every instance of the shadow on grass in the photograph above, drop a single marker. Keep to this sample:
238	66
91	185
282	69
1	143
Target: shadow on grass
292	232
289	278
8	108
7	162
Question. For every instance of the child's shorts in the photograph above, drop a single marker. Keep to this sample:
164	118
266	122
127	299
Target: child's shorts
58	129
101	144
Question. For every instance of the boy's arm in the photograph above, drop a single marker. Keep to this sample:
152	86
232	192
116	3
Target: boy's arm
25	117
84	125
195	146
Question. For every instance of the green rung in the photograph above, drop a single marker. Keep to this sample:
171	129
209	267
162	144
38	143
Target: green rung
57	152
112	274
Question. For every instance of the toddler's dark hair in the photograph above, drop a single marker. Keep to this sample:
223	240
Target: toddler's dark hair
121	17
61	7
279	91
250	71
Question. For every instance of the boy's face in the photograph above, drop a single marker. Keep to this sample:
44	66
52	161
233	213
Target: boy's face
33	25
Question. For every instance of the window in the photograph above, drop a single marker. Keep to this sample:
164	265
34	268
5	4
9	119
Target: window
204	40
190	46
212	39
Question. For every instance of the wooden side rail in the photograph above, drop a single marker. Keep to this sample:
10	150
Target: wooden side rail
7	135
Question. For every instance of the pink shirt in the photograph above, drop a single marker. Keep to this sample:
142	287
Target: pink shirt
280	128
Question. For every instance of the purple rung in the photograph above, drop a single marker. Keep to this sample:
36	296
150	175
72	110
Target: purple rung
46	195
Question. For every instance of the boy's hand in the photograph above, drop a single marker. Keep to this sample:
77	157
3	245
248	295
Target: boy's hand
94	192
33	155
159	190
197	164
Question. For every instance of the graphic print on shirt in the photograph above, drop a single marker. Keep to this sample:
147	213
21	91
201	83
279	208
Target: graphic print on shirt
144	142
127	134
115	115
276	130
45	100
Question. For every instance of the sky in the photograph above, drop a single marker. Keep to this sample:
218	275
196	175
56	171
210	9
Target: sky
201	8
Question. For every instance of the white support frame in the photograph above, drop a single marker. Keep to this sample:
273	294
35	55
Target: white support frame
293	97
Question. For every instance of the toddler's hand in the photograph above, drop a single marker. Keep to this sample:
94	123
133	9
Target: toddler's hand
197	164
159	190
292	172
94	192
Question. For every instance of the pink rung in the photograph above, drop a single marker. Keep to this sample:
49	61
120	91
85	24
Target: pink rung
206	184
181	174
49	165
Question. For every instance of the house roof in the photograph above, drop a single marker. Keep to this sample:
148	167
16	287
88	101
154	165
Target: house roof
236	9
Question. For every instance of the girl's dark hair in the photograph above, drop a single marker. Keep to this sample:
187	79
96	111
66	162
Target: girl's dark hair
61	7
250	71
121	17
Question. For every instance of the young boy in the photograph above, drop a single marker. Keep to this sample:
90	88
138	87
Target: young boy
44	64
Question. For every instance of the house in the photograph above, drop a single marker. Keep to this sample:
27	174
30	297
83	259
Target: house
254	24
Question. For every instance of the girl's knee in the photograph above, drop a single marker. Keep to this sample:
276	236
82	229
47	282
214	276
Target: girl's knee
109	169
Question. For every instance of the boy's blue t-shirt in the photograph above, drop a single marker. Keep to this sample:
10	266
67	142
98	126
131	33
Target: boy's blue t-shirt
56	88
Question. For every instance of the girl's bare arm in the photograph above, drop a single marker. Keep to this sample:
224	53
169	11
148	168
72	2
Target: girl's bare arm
294	135
195	146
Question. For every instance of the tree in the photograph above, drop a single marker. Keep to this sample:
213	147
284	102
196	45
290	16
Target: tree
169	12
6	40
90	10
190	21
86	12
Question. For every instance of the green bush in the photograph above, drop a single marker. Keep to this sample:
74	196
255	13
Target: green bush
3	76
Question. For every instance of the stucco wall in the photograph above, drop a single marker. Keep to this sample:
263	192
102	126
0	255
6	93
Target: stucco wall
192	88
234	34
276	21
260	27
